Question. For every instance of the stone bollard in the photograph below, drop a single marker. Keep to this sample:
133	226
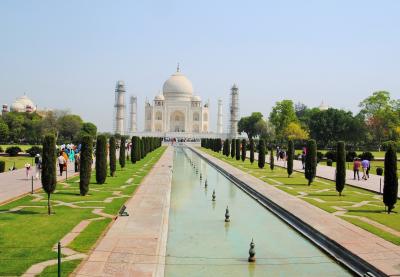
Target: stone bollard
213	195
201	176
205	184
252	252
227	216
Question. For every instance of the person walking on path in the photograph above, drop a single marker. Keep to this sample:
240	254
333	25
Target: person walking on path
38	166
365	166
303	159
77	159
61	162
27	169
356	168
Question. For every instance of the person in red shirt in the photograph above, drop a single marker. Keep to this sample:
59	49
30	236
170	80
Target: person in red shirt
356	168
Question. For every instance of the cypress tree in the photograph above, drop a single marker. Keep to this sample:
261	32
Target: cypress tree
261	153
224	148
340	167
122	152
137	149
101	159
237	150
228	147
290	156
113	159
251	151
233	147
390	186
134	150
86	158
49	179
311	161
271	159
243	150
142	154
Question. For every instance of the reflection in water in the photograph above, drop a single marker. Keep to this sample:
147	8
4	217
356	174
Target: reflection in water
200	242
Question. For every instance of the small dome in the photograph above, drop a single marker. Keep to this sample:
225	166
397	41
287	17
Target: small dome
323	107
159	97
196	98
178	86
21	103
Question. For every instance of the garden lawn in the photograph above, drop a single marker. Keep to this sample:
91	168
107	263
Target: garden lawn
19	161
27	236
357	203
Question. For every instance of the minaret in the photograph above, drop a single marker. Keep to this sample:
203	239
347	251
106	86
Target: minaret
133	115
120	108
234	111
219	119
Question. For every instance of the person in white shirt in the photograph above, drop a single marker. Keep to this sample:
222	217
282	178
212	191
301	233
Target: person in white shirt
61	162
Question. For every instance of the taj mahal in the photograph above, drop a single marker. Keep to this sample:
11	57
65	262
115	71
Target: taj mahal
175	112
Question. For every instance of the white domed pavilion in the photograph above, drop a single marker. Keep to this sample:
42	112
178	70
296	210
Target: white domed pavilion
177	109
23	104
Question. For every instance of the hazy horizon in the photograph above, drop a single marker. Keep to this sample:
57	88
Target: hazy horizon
70	55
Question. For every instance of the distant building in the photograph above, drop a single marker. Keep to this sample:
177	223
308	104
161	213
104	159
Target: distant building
323	107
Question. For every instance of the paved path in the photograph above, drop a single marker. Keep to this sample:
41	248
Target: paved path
378	252
14	184
135	245
328	172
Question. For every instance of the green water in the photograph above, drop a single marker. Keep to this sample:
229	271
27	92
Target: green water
200	243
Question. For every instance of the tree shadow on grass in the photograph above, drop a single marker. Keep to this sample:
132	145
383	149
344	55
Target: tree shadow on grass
378	211
21	212
74	193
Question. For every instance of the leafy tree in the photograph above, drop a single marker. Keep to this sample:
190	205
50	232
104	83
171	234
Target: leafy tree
101	159
69	126
4	131
89	128
49	179
311	161
340	167
237	150
271	159
251	141
113	159
248	124
261	153
390	187
243	150
294	131
122	152
290	156
233	147
86	160
281	115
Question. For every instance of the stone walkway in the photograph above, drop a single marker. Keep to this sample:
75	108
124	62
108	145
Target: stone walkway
328	172
380	253
14	184
135	245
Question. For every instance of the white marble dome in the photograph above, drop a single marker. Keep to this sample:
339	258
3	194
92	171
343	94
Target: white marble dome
21	103
178	86
159	97
196	98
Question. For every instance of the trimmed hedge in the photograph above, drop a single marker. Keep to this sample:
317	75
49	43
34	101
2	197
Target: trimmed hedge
261	153
311	161
290	156
49	179
340	167
86	160
122	152
34	150
13	151
391	184
101	159
112	155
251	142
2	166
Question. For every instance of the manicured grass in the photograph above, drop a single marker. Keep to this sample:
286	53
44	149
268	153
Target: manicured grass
377	154
66	269
374	166
19	161
322	193
28	235
23	147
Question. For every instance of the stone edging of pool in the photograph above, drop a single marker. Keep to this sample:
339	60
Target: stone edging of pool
353	262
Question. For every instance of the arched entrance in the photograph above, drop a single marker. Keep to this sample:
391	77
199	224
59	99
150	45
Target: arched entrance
177	122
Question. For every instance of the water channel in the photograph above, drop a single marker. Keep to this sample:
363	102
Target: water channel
201	243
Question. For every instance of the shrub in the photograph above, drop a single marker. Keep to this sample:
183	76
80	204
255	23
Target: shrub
34	150
366	156
86	160
1	150
243	150
251	151
350	156
122	152
261	153
49	179
233	147
13	151
320	156
379	171
271	159
101	159
331	155
226	147
340	167
2	166
329	162
290	155
237	150
311	161
113	159
390	186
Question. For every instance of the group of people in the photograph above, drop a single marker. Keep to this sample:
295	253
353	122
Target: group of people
68	153
365	165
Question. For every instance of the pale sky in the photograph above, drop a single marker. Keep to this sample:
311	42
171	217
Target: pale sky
69	54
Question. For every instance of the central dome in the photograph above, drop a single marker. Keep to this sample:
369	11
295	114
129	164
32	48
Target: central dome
178	86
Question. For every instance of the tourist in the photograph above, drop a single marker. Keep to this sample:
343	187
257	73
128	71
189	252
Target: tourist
38	166
61	163
27	169
356	168
77	162
303	159
365	165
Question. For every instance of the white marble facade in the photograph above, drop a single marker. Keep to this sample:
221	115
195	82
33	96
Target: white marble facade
177	109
